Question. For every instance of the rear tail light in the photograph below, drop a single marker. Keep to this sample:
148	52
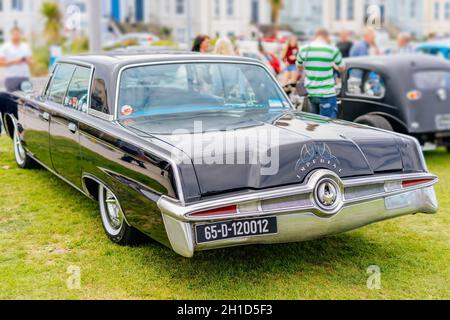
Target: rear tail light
399	185
414	95
413	183
216	212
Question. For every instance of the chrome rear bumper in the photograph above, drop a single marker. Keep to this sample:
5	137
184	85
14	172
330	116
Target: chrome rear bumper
299	217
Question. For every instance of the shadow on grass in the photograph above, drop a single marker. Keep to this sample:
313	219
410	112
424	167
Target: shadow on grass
344	253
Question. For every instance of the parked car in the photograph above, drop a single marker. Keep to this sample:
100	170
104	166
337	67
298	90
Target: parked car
135	39
167	144
409	94
436	48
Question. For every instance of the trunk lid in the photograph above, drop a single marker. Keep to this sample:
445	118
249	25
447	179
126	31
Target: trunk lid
279	149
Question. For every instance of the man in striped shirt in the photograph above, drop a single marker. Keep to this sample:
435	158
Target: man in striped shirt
318	61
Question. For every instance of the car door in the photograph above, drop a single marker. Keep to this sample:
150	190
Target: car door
64	125
34	117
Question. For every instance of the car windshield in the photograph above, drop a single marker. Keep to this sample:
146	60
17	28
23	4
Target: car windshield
197	87
426	80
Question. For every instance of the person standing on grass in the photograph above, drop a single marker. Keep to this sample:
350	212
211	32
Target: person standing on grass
318	61
15	57
367	46
289	57
344	44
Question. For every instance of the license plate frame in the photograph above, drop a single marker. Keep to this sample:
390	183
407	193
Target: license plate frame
235	229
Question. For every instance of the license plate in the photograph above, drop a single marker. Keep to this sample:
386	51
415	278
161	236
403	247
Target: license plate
235	229
443	122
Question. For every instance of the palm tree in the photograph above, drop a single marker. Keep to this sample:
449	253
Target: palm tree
276	7
50	10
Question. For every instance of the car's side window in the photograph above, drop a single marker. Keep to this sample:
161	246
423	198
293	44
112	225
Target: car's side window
366	83
60	81
99	97
77	96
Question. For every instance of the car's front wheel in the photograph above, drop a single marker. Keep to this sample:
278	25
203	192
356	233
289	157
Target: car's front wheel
22	159
375	121
113	219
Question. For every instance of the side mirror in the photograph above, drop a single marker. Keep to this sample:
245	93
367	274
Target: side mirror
26	86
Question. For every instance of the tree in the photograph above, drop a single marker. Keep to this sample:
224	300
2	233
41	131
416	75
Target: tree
50	10
276	7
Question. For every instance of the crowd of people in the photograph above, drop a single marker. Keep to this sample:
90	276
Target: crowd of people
314	65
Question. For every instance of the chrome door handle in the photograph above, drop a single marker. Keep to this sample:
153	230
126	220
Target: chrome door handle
72	127
45	116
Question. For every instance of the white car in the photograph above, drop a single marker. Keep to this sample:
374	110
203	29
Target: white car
142	39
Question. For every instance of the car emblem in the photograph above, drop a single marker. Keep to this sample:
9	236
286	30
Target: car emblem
328	195
442	94
314	156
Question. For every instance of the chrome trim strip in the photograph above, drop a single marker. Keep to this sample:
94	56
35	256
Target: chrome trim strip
100	115
178	211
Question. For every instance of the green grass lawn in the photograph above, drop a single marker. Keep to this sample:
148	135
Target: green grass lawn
46	227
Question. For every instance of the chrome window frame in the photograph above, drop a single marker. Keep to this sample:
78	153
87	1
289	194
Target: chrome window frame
76	64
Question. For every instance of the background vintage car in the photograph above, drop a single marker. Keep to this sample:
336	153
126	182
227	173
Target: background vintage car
409	94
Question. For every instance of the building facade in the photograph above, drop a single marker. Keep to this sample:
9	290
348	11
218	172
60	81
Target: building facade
24	14
303	16
421	17
186	18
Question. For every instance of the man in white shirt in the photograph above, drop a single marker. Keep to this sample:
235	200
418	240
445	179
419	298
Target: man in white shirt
15	57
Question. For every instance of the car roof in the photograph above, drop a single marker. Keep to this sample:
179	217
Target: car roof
435	44
116	60
399	62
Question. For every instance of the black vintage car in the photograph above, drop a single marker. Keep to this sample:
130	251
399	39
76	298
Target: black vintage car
409	94
202	152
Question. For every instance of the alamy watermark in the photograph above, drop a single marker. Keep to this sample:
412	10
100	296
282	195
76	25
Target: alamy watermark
374	17
374	280
255	146
73	282
72	18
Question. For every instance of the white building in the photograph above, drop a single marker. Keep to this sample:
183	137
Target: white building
302	15
421	17
24	14
212	17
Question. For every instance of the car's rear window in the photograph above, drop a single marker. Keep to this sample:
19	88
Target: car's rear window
426	80
192	87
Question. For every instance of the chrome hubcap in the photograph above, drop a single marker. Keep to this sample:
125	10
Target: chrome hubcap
115	215
19	150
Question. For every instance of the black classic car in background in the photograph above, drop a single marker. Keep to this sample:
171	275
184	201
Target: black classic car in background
137	134
408	94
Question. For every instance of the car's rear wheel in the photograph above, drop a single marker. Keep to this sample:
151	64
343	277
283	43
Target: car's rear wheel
113	219
375	121
23	160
